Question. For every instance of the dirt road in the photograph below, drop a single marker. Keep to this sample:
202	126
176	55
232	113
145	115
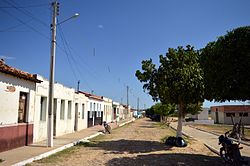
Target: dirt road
139	143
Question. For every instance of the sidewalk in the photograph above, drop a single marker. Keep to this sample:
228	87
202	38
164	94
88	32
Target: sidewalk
210	140
39	150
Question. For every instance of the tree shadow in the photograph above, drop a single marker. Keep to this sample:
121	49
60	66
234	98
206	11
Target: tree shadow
130	146
144	126
167	159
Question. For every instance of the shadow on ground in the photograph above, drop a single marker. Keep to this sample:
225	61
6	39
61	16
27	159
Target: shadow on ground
131	146
167	159
144	126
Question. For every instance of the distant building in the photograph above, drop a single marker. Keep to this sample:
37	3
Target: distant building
94	109
225	114
107	110
203	115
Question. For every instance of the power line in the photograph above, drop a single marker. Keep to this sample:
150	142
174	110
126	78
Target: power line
68	52
26	12
29	6
14	27
24	23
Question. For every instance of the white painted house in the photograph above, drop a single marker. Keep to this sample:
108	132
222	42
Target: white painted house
107	110
17	107
81	114
95	106
116	111
63	113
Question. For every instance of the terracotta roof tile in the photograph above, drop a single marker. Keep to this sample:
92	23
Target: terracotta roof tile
17	73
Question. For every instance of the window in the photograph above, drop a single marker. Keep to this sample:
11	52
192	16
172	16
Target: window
90	106
230	114
97	107
69	109
245	114
98	114
62	109
117	110
94	107
90	114
82	111
43	107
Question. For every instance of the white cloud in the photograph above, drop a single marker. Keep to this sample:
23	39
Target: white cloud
6	57
100	26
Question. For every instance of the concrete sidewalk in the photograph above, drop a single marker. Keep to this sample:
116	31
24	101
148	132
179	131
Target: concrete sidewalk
208	139
27	154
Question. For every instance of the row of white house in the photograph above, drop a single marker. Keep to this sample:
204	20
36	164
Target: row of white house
24	108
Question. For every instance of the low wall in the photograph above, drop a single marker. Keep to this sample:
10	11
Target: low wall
13	136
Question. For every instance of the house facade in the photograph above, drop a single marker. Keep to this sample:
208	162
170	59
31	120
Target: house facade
63	114
24	109
94	109
107	109
225	114
116	111
81	114
17	107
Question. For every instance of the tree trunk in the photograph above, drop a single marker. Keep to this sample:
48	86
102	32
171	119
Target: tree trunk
180	119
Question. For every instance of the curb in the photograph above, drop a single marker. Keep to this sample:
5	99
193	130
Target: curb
235	140
132	120
185	134
208	146
212	149
46	154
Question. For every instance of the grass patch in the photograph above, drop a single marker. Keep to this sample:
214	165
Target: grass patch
60	156
84	144
161	125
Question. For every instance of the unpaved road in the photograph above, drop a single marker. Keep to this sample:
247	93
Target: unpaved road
138	143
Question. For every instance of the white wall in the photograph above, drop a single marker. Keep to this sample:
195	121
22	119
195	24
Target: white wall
81	99
63	126
9	101
107	113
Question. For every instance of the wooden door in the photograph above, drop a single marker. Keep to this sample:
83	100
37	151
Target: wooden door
22	107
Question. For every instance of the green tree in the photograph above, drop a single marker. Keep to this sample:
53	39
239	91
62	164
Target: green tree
178	80
225	63
164	110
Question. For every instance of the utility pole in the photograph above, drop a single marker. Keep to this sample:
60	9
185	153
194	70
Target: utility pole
52	72
138	99
78	85
127	95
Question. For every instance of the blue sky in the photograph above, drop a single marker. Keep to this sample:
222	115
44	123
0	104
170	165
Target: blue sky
106	44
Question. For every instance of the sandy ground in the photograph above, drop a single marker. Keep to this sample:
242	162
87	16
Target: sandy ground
139	143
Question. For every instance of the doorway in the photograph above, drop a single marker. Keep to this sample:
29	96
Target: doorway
76	117
22	107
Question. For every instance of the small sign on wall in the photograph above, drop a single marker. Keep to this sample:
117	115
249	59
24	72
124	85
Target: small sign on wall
10	89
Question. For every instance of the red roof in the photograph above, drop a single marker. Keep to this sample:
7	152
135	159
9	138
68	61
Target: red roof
17	73
92	96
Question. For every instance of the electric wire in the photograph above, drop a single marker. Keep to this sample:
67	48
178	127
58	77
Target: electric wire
14	27
26	12
24	23
68	52
29	6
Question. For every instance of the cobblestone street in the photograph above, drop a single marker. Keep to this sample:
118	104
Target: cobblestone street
138	143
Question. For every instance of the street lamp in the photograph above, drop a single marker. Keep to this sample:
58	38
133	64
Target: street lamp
74	16
55	7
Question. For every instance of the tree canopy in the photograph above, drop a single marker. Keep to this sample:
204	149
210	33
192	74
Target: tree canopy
178	80
225	63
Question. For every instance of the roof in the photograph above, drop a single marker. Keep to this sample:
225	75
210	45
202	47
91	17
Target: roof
92	96
231	108
17	73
